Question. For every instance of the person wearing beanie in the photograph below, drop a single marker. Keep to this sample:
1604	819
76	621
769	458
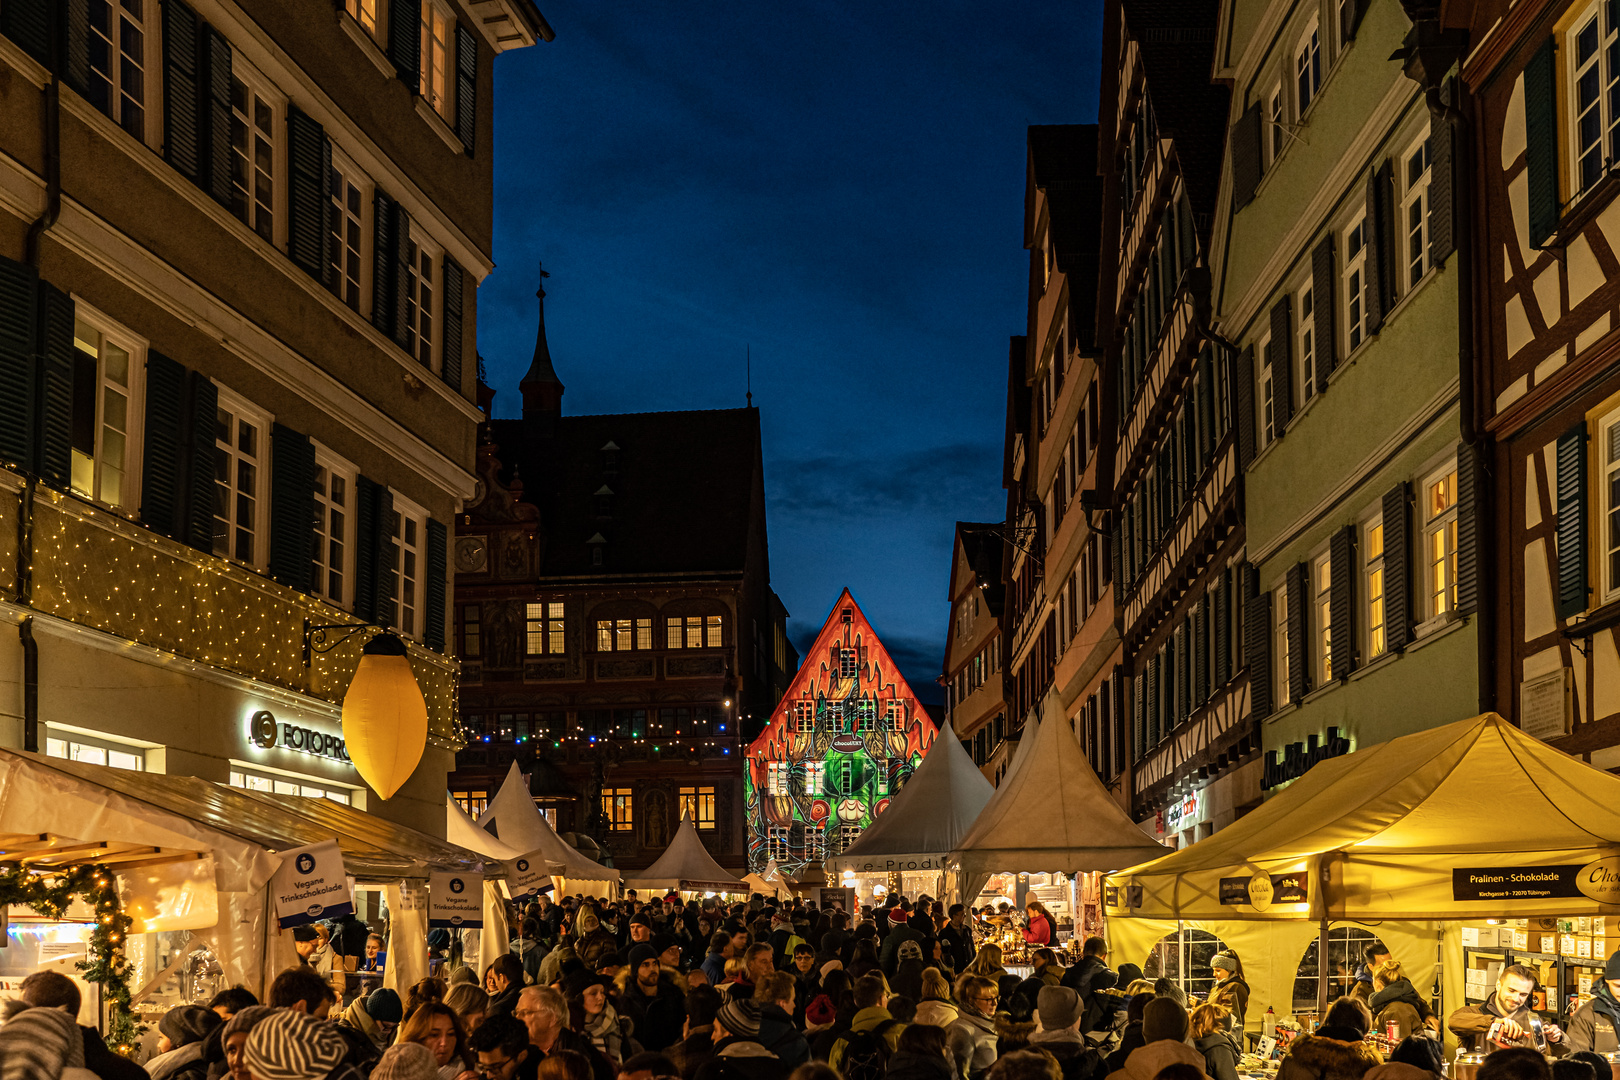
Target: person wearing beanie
234	1035
375	1016
737	1052
689	1054
40	1042
182	1032
650	997
1058	1010
1336	1050
1167	988
1164	1042
288	1045
1231	989
592	1014
407	1061
889	957
1594	1023
1131	1037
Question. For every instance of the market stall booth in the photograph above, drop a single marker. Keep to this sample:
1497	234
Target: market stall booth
687	867
1473	826
1050	816
515	820
905	847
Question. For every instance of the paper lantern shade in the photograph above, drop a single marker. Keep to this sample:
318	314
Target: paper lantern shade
384	716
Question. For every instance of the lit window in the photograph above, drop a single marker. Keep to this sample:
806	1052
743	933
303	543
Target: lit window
405	527
473	802
437	40
695	632
238	476
776	776
103	407
1279	645
865	714
623	635
1305	344
1275	144
420	299
1372	547
117	45
1595	111
96	753
472	631
616	809
1415	208
815	777
882	766
543	629
367	14
1355	280
1609	434
248	780
1265	390
1308	67
777	848
698	804
847	835
1440	542
331	532
1322	585
253	153
804	716
815	843
344	244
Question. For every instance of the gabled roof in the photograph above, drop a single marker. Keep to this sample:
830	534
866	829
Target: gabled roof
685	863
983	549
516	821
1063	164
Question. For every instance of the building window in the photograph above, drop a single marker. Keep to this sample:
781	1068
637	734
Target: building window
99	752
238	476
696	632
405	526
420	300
348	222
1274	144
117	43
1264	396
815	843
472	631
253	153
1415	208
332	489
616	809
1308	67
1609	433
473	802
1279	646
895	711
804	716
865	714
882	765
1440	542
543	629
1595	95
1355	275
776	778
623	635
104	404
698	804
776	843
249	780
1322	612
848	665
364	12
815	777
847	835
438	37
1305	344
1372	562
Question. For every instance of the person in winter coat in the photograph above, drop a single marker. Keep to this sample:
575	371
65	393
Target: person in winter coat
1060	1009
871	1016
1231	990
738	1054
40	1044
1131	1037
528	948
592	941
649	996
1395	1000
913	929
182	1031
957	938
54	990
972	1038
503	981
920	1054
592	1015
1335	1051
1164	1042
1042	928
1505	1017
1594	1024
1211	1038
375	1016
1092	972
697	1044
777	1032
935	1007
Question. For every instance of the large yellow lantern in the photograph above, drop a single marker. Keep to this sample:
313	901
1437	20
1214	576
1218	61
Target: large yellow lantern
384	716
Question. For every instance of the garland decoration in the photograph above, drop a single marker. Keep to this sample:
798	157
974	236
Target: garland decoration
50	893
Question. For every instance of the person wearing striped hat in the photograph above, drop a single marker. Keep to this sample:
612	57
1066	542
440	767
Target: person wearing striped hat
290	1045
41	1044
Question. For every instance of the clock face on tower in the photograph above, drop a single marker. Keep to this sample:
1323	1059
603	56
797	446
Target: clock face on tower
472	555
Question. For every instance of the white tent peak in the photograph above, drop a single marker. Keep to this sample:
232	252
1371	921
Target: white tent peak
460	829
1051	813
928	818
685	859
518	824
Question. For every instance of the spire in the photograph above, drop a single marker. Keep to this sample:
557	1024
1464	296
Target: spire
542	390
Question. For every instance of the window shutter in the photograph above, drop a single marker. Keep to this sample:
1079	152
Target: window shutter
1282	366
1189	234
1184	669
1223	633
1243	395
365	549
1442	177
181	31
1342	600
1470	475
28	24
214	115
75	61
1324	308
1350	19
55	387
1397	548
402	275
1116	720
1571	484
453	284
433	605
405	41
1138	717
197	430
1117	542
1380	285
309	195
1246	165
292	507
1297	628
384	262
1154	665
1541	141
19	344
162	493
1200	689
466	86
1190	457
1257	648
383	559
1206	407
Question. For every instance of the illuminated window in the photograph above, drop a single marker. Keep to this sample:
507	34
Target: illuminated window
695	632
1355	281
437	40
776	843
254	130
698	804
777	773
344	242
882	765
104	405
117	48
1440	542
330	571
248	780
847	835
616	809
804	716
473	802
815	843
1372	547
364	12
238	480
543	629
623	635
113	755
1322	605
815	777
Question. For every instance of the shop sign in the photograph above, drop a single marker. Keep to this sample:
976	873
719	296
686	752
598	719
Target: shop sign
456	901
842	897
525	876
1122	896
267	735
1184	813
1263	890
1600	880
1529	882
311	884
1298	758
895	866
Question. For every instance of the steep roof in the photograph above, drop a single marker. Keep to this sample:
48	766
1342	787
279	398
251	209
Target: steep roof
1063	164
1177	40
681	489
984	549
684	860
513	818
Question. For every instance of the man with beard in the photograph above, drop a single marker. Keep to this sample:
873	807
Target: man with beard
652	1000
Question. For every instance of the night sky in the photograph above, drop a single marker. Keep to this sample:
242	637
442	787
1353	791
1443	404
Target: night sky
839	191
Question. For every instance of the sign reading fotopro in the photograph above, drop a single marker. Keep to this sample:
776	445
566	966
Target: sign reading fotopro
311	884
456	901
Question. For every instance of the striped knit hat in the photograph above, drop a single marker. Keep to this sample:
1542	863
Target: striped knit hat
291	1046
39	1042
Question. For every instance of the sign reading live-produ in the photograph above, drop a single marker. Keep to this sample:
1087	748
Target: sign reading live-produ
312	884
1599	880
456	901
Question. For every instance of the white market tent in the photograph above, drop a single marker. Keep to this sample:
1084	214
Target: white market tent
460	829
928	818
687	866
517	822
1050	815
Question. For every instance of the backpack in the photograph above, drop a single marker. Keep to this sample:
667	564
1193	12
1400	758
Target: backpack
866	1053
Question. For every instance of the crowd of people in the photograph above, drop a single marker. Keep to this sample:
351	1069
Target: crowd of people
668	989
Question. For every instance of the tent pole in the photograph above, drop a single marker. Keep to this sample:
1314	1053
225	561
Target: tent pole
1321	971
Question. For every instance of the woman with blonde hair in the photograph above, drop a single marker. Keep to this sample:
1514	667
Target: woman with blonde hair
469	1003
935	1006
1395	999
1209	1036
987	963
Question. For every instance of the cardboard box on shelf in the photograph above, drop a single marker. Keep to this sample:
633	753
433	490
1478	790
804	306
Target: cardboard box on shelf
1547	943
1566	945
1474	935
1521	939
1583	983
1601	947
1522	924
1583	925
1583	948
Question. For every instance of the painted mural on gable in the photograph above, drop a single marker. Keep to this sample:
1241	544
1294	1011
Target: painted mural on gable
842	741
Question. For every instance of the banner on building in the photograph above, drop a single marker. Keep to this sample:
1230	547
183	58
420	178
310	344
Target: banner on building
311	884
456	901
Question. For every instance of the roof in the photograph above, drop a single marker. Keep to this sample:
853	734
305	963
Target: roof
685	486
685	860
516	821
984	547
1063	164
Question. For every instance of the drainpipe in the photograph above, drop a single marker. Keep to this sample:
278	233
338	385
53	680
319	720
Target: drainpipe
25	631
53	173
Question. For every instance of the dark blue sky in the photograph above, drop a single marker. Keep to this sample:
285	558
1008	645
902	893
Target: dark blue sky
838	188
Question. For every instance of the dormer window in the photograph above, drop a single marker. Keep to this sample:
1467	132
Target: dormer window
603	497
610	458
598	545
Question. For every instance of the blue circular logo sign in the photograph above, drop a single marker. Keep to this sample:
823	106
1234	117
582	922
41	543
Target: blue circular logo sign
523	866
306	863
457	885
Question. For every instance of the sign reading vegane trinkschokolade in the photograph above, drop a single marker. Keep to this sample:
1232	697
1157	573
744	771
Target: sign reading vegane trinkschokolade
525	876
456	901
1597	880
311	884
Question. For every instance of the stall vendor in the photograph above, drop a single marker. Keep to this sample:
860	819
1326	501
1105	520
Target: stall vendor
1593	1025
1506	1018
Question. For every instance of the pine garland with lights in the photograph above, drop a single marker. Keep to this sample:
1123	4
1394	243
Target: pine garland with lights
50	893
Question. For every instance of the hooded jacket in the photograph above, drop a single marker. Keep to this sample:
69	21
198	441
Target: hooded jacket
182	1063
1074	1055
741	1059
1088	975
356	1018
778	1034
1399	990
1594	1024
1146	1061
1220	1055
972	1043
869	1019
1316	1057
938	1013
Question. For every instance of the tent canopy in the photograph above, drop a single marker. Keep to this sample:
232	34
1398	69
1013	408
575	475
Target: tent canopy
685	864
460	829
925	822
516	821
1050	815
1472	818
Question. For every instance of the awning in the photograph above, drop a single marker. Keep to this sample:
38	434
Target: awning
1472	819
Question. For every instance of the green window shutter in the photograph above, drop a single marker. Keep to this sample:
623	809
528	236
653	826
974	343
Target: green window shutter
1138	717
75	60
19	345
466	86
1442	178
292	507
1324	308
365	549
434	566
214	115
28	24
1222	673
1541	141
161	489
1470	475
197	435
1282	366
1379	294
1397	560
453	283
55	387
1298	629
1200	640
1246	162
309	195
1342	600
384	263
1257	650
1243	397
405	40
181	89
1571	484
